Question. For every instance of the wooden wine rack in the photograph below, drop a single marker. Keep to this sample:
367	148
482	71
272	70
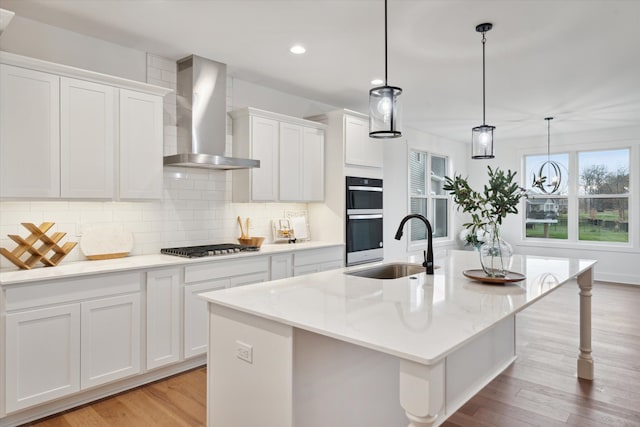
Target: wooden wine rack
47	243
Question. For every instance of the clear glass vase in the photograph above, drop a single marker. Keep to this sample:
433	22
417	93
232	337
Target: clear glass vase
495	255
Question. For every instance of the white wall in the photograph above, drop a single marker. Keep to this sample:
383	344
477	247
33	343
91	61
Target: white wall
615	263
32	38
196	206
396	191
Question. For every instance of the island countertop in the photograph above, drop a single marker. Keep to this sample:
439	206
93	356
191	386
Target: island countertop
420	318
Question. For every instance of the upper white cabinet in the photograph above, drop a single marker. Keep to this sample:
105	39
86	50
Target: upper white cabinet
140	145
63	128
291	154
29	133
359	149
87	139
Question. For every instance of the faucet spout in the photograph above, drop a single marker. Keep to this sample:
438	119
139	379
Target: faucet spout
428	257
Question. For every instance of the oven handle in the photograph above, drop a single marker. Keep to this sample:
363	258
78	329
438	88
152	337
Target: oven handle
373	216
362	188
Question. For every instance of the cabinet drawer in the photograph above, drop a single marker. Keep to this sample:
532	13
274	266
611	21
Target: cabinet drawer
64	290
318	256
226	268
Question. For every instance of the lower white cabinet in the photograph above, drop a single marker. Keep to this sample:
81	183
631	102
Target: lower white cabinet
55	351
281	266
195	316
110	339
42	355
163	317
313	261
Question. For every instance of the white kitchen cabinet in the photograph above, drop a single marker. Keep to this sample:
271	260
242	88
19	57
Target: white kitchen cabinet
163	317
256	138
360	150
204	277
313	165
29	133
291	154
87	139
302	163
42	355
195	316
110	339
316	260
281	266
291	150
140	144
64	134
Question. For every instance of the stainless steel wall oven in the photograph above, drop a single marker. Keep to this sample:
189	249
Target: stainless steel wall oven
364	220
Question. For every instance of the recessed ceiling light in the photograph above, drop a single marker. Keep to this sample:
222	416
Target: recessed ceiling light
297	49
377	81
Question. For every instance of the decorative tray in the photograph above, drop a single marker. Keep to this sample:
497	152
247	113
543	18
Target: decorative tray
481	276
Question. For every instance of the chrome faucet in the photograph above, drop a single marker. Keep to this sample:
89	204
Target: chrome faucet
428	254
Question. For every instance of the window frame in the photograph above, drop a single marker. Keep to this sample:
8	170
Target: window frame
573	200
430	198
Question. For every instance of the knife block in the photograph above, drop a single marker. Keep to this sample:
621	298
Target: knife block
47	244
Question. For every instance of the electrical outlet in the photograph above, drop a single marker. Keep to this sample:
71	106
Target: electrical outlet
244	351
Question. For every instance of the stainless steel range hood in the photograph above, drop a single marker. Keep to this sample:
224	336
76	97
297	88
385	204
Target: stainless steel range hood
201	117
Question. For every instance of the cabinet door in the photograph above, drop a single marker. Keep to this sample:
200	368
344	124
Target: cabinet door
249	279
307	269
313	165
110	338
140	145
42	355
29	133
361	150
264	147
291	156
87	139
281	266
196	322
163	317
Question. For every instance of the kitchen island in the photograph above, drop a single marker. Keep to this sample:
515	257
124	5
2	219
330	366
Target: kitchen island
337	349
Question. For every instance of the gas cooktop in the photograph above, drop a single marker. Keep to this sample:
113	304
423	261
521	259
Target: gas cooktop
208	250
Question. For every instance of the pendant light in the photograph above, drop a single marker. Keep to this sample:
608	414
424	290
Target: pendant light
383	102
550	182
482	136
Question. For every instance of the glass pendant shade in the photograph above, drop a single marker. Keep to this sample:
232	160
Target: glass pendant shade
384	112
482	142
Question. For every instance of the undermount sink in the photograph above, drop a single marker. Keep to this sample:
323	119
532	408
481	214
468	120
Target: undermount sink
389	271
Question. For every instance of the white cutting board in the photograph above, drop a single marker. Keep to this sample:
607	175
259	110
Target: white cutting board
299	226
105	242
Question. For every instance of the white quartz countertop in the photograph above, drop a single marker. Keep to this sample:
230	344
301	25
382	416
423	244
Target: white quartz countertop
422	318
81	268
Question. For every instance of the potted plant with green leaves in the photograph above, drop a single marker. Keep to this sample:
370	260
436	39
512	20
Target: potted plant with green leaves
500	197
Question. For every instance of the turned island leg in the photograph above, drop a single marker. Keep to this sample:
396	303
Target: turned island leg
585	361
421	392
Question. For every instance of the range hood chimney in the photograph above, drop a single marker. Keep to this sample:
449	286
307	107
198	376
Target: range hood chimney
201	117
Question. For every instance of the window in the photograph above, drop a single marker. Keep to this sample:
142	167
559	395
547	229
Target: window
592	203
546	214
603	196
426	179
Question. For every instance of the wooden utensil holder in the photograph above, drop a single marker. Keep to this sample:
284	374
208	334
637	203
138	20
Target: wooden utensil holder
48	243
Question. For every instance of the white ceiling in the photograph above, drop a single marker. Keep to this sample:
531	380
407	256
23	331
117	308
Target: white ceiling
577	60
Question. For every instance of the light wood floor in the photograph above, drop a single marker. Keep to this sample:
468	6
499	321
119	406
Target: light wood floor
539	389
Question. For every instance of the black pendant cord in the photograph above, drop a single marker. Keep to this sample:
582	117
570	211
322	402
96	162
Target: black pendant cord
484	122
385	43
548	119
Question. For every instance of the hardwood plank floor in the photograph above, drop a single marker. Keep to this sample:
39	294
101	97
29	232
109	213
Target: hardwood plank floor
539	389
